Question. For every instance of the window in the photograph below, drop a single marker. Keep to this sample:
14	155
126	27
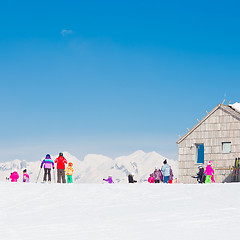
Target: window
200	153
226	147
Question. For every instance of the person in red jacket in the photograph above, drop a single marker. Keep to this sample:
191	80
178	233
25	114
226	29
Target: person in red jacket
61	161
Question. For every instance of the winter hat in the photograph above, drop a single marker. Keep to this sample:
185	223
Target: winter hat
48	156
165	161
200	166
70	164
60	154
210	163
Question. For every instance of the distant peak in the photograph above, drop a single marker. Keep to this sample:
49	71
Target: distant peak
138	152
91	157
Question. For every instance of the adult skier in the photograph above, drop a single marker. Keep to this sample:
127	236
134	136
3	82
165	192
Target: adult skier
130	178
61	161
48	165
165	171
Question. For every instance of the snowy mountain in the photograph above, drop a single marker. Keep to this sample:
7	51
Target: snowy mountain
94	167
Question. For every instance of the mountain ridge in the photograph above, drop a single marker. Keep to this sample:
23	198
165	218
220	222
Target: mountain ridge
94	167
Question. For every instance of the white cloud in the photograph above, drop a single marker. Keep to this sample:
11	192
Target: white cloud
66	32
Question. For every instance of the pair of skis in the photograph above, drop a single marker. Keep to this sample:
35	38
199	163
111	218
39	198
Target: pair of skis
237	163
40	172
236	171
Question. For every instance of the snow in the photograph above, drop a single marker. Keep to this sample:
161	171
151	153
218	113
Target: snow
94	167
236	106
119	211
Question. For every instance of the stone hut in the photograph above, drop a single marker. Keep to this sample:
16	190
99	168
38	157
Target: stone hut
217	138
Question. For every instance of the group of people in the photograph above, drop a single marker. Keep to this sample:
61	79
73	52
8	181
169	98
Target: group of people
14	176
164	175
130	179
206	176
48	165
61	161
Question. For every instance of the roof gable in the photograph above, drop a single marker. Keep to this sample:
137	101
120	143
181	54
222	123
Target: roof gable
226	108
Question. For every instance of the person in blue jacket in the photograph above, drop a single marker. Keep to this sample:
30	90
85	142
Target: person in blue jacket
165	171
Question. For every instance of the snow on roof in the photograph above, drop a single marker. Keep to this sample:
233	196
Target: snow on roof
236	106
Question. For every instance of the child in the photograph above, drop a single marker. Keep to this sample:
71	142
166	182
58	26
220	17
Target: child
170	180
25	176
69	171
200	175
14	176
212	178
209	172
158	176
109	179
130	178
151	179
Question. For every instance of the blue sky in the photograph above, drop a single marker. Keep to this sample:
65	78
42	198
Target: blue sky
112	77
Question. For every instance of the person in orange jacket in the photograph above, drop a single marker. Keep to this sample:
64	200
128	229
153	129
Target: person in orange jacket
69	171
61	161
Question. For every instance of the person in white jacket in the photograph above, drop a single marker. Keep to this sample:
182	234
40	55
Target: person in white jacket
165	171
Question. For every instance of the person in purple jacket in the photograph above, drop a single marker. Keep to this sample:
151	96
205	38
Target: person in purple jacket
158	176
109	179
170	180
48	165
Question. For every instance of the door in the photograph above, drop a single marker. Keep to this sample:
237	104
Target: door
200	153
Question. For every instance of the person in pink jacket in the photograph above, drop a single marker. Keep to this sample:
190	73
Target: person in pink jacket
209	173
212	178
25	176
14	176
151	179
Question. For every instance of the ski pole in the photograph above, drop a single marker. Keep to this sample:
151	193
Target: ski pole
54	175
38	174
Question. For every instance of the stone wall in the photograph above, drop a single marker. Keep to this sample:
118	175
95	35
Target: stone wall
220	127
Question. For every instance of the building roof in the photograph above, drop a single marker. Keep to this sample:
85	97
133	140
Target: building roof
227	108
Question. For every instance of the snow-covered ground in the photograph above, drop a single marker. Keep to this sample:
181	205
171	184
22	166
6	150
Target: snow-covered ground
119	211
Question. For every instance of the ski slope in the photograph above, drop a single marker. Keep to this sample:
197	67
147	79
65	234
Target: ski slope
119	211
